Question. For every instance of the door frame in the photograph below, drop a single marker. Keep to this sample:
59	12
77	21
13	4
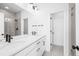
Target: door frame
68	30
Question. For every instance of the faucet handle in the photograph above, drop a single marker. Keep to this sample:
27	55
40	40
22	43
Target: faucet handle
2	34
10	37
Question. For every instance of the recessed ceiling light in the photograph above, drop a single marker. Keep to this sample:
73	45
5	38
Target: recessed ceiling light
6	7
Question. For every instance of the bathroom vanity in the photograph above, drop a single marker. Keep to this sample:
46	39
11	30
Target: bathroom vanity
24	45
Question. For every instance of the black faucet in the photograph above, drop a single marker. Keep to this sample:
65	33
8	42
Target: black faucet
8	38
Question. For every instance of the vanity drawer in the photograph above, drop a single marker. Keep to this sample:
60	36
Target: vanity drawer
38	50
39	43
34	52
26	51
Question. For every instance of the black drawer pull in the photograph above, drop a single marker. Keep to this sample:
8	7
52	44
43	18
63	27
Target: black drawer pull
2	34
38	49
38	42
75	47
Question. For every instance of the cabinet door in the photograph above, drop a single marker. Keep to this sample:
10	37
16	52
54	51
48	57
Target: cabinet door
1	24
38	51
33	52
39	45
42	48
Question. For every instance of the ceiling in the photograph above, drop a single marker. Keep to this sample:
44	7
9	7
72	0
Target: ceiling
12	7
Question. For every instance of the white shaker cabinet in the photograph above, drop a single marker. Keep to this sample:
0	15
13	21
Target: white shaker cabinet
37	48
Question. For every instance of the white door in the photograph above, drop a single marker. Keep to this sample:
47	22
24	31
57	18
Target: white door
1	24
77	27
74	29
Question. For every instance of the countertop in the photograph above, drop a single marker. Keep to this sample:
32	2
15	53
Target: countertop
17	44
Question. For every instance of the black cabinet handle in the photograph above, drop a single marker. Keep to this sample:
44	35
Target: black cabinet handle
75	47
38	42
2	34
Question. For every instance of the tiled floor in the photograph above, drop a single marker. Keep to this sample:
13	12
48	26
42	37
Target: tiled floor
55	51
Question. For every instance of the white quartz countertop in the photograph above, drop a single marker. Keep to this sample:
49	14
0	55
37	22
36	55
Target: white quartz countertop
17	44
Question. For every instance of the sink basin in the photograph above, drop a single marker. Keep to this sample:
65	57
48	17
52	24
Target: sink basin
6	44
3	44
18	40
14	42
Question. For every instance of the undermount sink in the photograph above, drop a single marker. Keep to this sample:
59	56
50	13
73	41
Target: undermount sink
3	44
16	42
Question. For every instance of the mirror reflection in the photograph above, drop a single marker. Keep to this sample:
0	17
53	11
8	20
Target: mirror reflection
13	20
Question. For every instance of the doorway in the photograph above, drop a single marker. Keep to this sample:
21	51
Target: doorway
57	33
9	26
26	26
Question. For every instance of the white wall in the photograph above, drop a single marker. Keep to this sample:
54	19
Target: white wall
33	19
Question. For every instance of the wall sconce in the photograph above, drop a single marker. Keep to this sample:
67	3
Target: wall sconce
7	19
34	7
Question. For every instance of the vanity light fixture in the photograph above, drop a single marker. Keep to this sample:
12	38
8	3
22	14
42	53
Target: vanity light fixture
34	6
